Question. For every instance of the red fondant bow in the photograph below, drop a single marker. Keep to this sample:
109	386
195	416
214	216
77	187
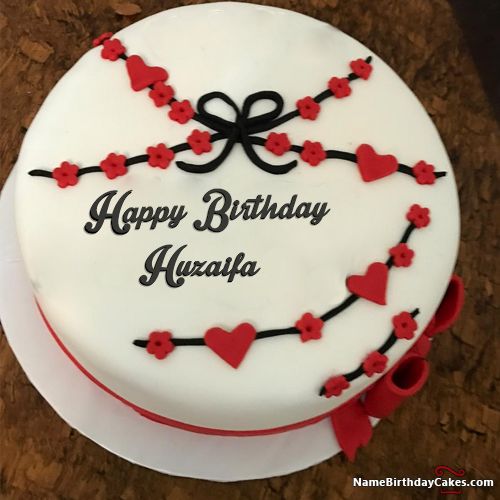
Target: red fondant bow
351	422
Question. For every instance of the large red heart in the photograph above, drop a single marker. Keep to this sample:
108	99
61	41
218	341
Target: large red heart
141	75
231	346
373	166
372	285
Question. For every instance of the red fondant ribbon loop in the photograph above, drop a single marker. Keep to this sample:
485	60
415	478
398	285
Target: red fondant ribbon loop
403	381
421	347
352	427
450	307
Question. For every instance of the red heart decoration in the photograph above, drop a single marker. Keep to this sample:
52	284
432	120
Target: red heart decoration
141	75
231	346
371	285
373	166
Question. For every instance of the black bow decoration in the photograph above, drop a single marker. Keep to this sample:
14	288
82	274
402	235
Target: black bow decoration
240	131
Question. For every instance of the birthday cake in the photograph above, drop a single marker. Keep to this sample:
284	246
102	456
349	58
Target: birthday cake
238	220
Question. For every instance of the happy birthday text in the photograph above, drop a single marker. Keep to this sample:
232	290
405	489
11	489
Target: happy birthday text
111	208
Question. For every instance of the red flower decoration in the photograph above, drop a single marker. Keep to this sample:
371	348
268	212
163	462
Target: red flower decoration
114	165
278	143
418	216
424	173
105	36
401	255
308	108
181	111
361	68
112	49
161	94
200	141
160	344
310	327
334	386
313	153
160	156
374	363
66	174
404	325
339	87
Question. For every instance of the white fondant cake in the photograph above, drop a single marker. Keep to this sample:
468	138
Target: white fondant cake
104	293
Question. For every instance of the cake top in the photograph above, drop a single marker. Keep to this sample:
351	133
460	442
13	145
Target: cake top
225	206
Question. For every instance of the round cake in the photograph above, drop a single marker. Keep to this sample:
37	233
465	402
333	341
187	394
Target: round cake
237	219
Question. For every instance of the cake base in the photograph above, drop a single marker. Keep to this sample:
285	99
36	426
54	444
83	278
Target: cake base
116	427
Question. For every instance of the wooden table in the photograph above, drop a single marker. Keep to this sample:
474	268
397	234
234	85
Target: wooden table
453	421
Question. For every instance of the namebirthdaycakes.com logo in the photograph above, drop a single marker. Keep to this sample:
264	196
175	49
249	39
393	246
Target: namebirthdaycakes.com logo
450	481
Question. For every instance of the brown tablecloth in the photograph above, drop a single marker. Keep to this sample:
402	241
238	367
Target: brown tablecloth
454	421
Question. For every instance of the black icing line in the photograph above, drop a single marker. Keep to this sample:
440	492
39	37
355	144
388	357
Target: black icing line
176	342
358	372
241	132
292	330
244	125
325	94
199	169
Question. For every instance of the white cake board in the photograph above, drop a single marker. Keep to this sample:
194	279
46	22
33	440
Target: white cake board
116	427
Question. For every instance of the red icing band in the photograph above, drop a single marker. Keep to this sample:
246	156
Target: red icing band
175	423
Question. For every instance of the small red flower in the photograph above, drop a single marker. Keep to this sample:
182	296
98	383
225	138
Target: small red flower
310	327
339	87
278	143
361	68
181	111
66	174
160	156
112	49
401	255
105	36
313	153
114	165
160	344
200	141
418	216
334	386
404	325
374	363
424	173
308	108
161	94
